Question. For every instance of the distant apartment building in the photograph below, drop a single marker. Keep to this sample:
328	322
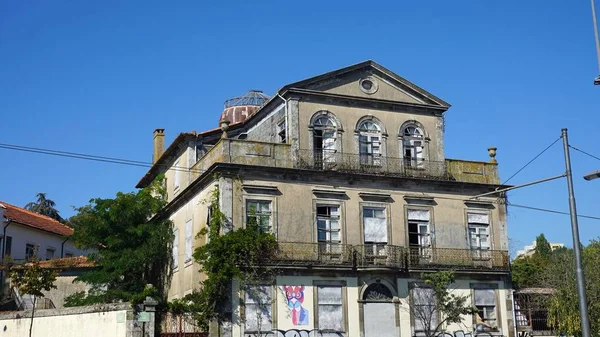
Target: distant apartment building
348	171
530	250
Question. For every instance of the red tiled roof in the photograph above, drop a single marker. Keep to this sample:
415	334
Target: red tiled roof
68	262
34	220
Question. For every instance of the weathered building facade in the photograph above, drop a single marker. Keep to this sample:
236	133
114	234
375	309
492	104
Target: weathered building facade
348	171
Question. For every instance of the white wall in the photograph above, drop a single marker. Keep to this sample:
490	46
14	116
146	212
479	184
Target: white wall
74	322
22	235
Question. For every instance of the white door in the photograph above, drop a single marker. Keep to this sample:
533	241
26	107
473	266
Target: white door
380	320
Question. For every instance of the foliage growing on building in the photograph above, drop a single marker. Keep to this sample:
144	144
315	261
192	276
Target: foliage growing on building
434	304
228	255
133	247
31	279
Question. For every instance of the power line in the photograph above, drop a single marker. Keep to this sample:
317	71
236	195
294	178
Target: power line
552	211
90	157
532	160
588	154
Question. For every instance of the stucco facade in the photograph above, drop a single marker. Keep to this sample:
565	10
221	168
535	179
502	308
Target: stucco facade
348	172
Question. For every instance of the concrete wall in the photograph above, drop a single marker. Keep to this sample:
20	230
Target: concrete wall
266	130
23	235
110	320
64	287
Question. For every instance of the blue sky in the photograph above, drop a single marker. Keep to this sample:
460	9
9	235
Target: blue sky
99	77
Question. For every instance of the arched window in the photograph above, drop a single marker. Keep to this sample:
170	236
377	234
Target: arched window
324	137
369	143
413	141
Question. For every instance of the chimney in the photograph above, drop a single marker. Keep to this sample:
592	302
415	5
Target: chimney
159	144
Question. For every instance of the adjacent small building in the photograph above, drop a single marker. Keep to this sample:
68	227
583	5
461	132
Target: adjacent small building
530	250
24	233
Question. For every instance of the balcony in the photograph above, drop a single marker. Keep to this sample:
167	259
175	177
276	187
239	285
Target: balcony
389	256
254	153
369	164
458	259
314	254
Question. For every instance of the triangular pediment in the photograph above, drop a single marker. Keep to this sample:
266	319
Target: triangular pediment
369	80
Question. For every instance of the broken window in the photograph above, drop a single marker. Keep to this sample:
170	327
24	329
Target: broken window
29	251
330	308
419	236
479	234
281	129
258	212
328	228
369	140
324	145
412	144
485	301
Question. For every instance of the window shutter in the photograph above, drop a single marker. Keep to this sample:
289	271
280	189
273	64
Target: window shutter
188	240
375	229
175	248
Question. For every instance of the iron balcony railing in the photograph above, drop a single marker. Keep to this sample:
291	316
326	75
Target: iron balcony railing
322	253
388	256
457	259
380	255
330	160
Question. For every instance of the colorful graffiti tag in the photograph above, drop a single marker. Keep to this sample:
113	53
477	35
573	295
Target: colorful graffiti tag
295	298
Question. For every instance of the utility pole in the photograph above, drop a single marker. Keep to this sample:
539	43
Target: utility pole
597	79
583	309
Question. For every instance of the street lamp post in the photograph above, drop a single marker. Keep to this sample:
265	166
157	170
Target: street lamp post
583	309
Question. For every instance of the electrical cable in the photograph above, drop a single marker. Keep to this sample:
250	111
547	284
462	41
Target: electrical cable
586	153
552	211
531	161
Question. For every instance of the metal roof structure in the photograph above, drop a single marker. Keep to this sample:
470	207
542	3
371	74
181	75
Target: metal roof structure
252	97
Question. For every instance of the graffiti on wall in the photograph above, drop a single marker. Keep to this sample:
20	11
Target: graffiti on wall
294	296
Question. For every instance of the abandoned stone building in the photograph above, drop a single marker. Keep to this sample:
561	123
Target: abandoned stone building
348	170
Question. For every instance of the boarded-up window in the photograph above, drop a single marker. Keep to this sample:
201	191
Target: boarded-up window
175	248
258	309
188	240
375	225
423	310
330	308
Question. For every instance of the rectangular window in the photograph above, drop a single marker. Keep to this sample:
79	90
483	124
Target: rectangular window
330	308
8	246
29	251
424	311
258	309
188	241
479	234
175	248
370	150
281	129
50	253
329	229
258	212
176	173
485	301
419	238
375	231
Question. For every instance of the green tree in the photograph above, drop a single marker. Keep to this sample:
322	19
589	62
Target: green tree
31	279
133	246
543	250
525	272
435	299
237	255
559	274
44	206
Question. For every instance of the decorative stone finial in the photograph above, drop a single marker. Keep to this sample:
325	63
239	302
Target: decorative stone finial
224	128
492	153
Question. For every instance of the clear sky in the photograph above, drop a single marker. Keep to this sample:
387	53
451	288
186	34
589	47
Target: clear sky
99	76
